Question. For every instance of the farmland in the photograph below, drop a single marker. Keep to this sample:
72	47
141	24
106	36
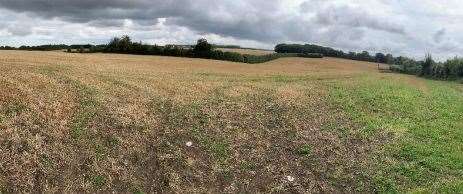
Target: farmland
127	123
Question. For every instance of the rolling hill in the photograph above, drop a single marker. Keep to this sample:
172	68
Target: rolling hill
128	123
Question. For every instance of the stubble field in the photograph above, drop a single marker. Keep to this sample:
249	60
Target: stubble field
103	122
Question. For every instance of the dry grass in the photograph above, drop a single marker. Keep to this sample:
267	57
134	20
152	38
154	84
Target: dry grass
102	122
247	51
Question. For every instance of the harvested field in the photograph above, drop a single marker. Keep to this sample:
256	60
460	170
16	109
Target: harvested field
126	123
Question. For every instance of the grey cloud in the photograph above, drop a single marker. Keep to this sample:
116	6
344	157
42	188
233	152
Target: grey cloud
344	24
88	10
107	23
353	17
261	30
253	20
20	30
439	35
449	47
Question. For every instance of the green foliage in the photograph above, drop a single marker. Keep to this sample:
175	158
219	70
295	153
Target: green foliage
330	52
407	65
453	67
390	59
44	47
450	69
227	56
308	48
85	48
380	58
121	45
265	58
202	49
7	48
427	68
310	55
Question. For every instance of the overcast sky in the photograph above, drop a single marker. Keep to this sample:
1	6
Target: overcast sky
401	27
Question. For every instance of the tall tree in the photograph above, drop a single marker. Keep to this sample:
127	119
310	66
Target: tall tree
427	65
202	48
380	58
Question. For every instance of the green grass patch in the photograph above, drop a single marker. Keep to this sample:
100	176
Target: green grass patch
98	181
427	124
15	108
304	150
451	187
87	109
219	148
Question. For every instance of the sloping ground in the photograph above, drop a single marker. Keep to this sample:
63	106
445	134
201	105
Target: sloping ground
99	122
425	118
247	51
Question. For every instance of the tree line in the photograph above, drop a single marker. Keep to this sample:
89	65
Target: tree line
330	52
202	49
450	69
54	47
